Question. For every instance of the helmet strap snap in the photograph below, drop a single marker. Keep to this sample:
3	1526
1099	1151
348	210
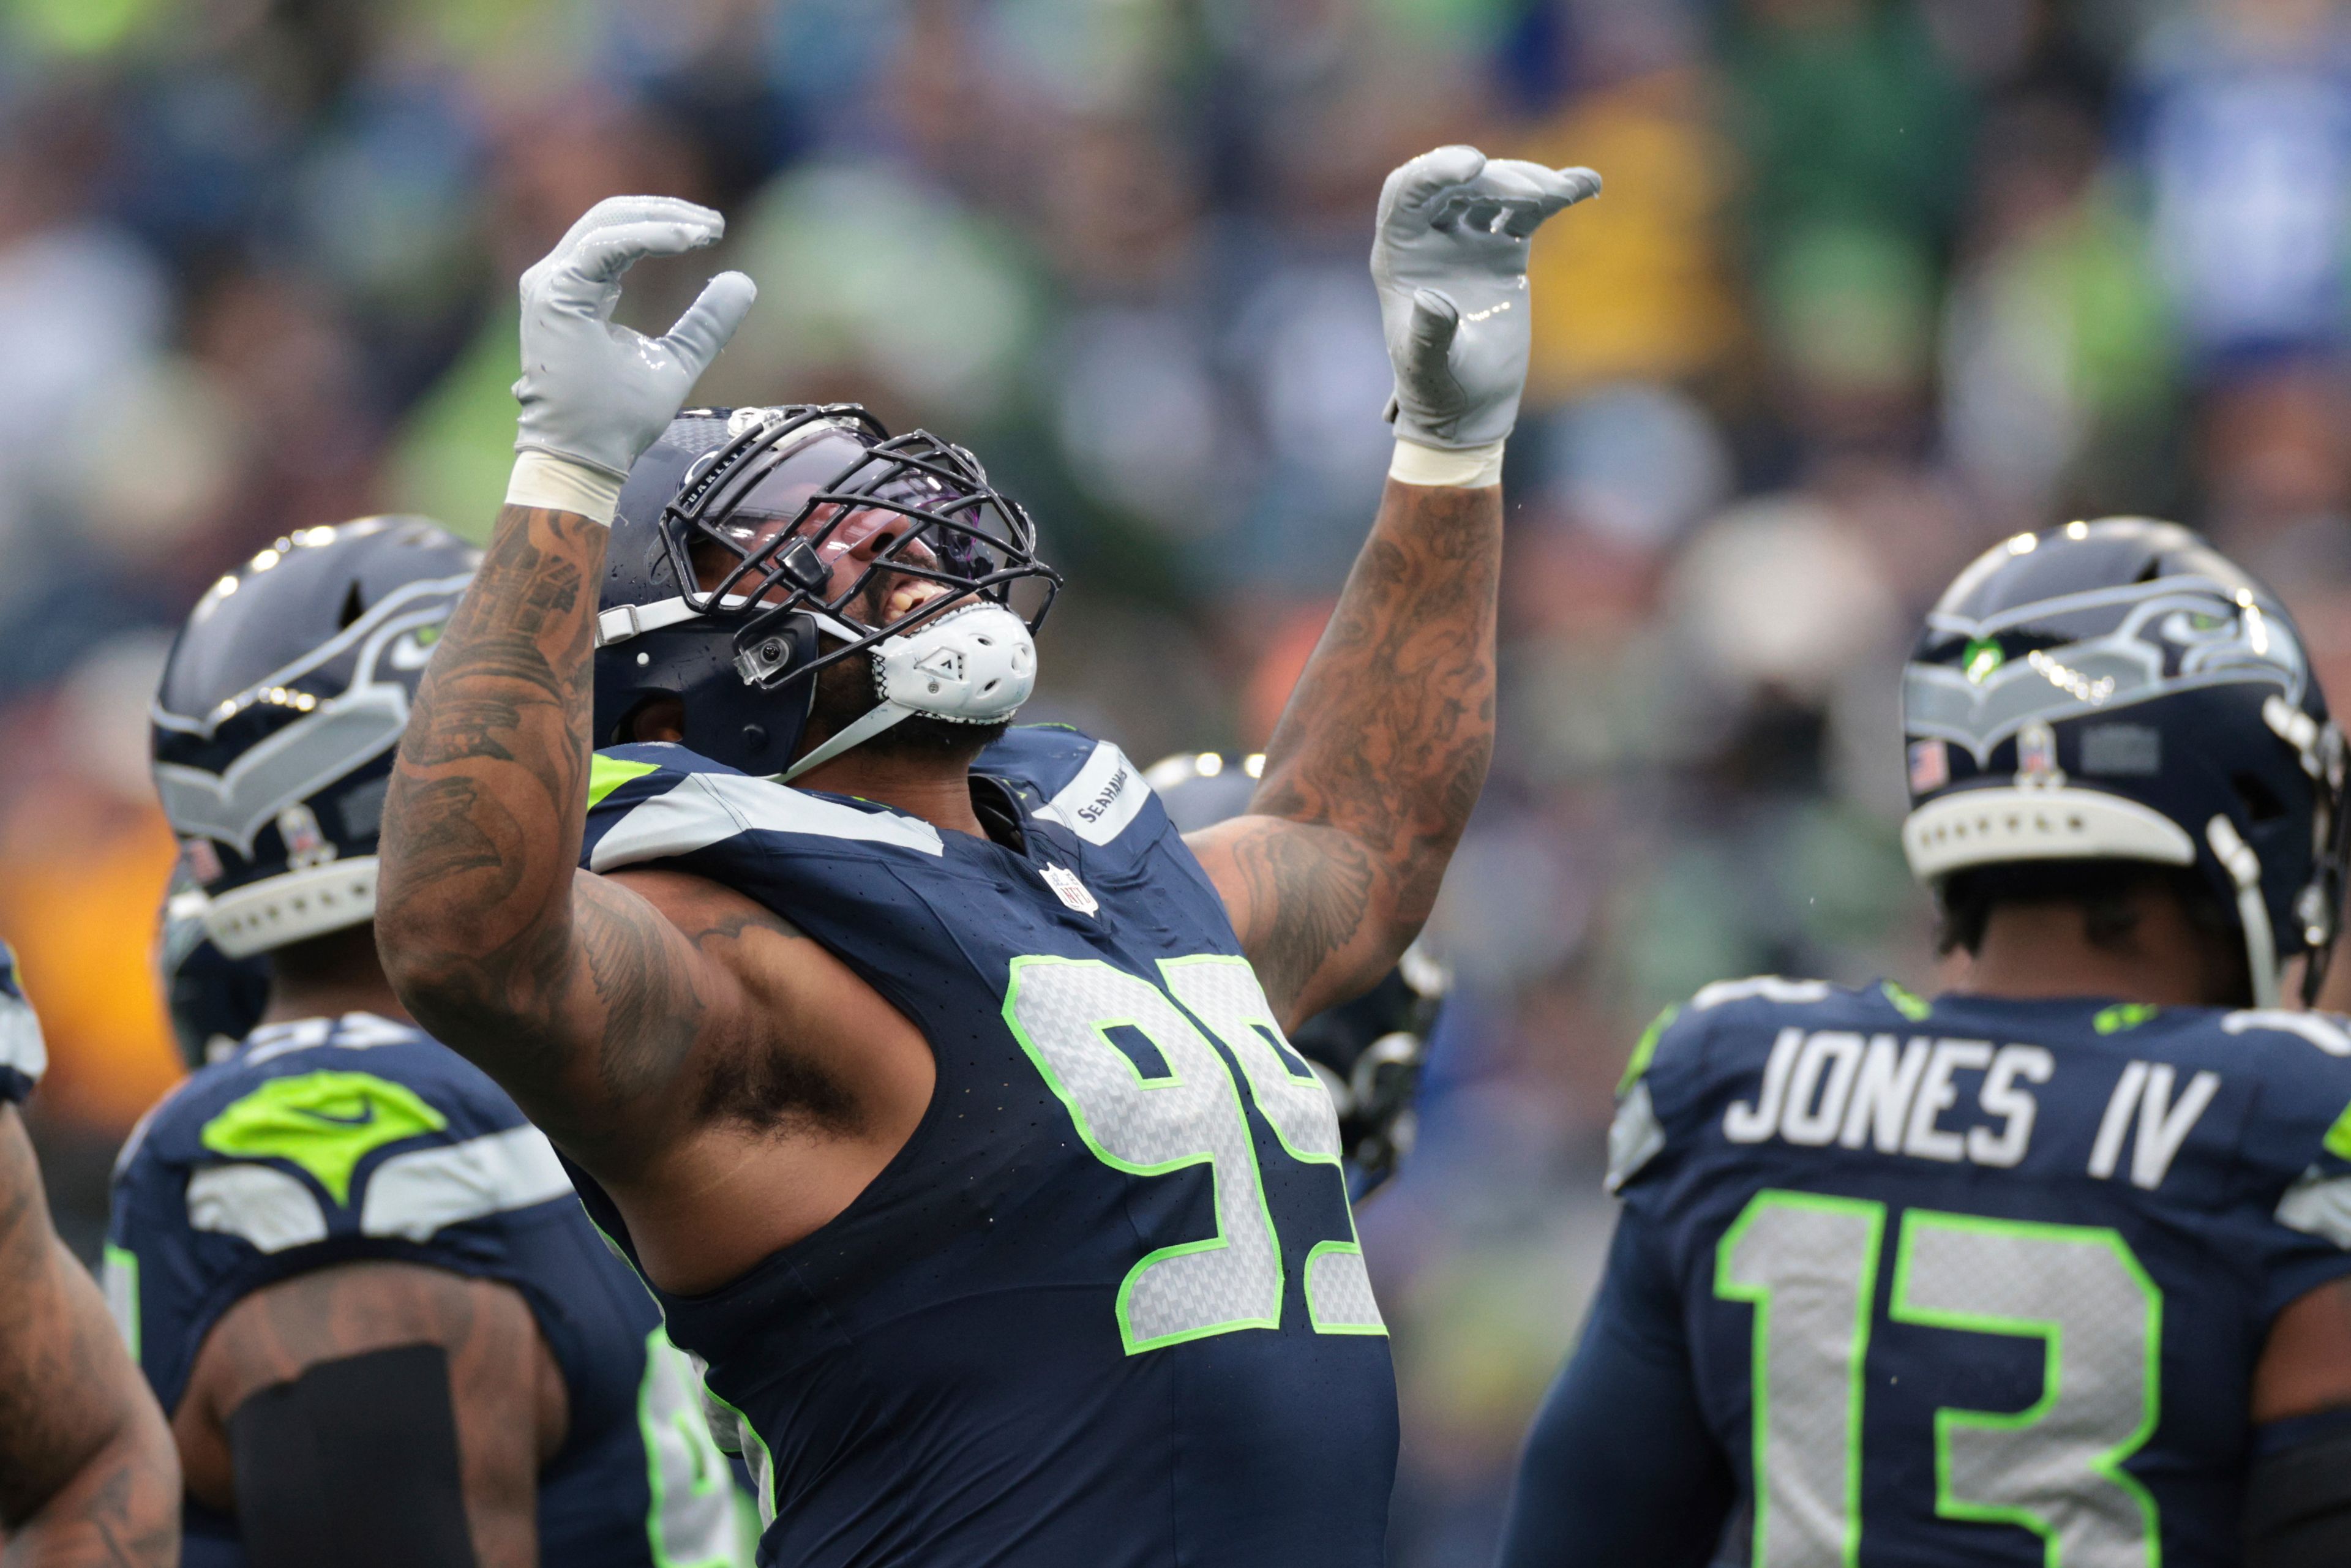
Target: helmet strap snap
2244	868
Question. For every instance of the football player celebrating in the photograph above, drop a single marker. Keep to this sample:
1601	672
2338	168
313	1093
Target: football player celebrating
933	1083
2052	1268
358	1279
86	1471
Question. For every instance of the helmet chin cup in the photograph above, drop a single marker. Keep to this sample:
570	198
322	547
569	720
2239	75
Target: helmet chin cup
974	665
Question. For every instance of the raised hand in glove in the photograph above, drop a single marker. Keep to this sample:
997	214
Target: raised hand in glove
594	395
1450	263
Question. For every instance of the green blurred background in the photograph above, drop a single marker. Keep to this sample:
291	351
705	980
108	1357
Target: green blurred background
1874	283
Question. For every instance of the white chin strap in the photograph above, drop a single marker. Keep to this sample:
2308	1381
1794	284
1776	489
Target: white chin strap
2244	868
973	665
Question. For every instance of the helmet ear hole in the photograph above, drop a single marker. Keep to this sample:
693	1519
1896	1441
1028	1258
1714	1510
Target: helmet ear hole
660	716
352	609
2262	802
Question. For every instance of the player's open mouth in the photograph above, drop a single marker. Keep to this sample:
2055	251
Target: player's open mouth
908	597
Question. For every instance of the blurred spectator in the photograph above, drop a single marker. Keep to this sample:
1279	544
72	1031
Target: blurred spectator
1641	288
2057	351
84	854
2276	451
1850	118
2239	119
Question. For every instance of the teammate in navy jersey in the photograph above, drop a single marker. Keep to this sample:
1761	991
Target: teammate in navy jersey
356	1278
933	1082
2051	1270
86	1471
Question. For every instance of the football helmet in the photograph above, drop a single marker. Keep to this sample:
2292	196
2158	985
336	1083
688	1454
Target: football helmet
2119	689
724	585
214	1000
279	708
1368	1052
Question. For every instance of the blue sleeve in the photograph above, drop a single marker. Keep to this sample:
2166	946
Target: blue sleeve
2295	1150
1620	1470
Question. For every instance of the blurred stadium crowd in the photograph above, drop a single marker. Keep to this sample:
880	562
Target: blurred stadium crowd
1874	282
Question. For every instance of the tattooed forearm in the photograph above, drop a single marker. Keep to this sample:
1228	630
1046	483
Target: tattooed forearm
122	1510
1378	759
570	991
87	1472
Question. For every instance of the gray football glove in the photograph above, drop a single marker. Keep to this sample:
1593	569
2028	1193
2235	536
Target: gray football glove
598	394
1450	259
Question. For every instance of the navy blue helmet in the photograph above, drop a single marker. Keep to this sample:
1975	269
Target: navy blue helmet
721	587
1368	1052
276	720
2120	690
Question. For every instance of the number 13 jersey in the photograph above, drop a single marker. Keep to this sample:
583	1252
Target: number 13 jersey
1982	1281
1106	1306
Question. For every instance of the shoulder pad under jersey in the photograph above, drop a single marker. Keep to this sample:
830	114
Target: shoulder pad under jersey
654	802
354	1128
2299	1132
1085	784
1677	1051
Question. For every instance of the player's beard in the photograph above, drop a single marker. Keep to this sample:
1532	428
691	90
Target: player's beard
846	692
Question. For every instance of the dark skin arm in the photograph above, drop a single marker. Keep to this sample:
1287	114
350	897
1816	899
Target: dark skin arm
2305	1368
508	1395
87	1472
1377	761
731	1083
579	996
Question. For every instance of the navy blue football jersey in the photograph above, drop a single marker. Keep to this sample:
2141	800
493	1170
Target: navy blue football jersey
1106	1306
1978	1282
23	1055
330	1140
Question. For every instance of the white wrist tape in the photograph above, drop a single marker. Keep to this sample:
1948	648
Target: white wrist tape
1464	467
557	484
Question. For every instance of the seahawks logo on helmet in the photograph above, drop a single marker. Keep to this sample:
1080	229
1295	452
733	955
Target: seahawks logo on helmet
277	714
2160	637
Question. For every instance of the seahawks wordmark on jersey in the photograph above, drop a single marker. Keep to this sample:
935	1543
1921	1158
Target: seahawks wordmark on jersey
1107	1305
1983	1281
333	1140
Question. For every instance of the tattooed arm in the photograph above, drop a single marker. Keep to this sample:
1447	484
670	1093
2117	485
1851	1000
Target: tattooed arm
576	994
1382	751
584	999
86	1474
1377	761
506	1402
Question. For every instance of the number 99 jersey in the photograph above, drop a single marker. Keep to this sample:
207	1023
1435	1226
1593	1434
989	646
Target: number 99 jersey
1980	1282
1106	1306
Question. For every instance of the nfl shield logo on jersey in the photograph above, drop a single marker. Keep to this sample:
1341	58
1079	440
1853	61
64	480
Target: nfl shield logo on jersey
1069	890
